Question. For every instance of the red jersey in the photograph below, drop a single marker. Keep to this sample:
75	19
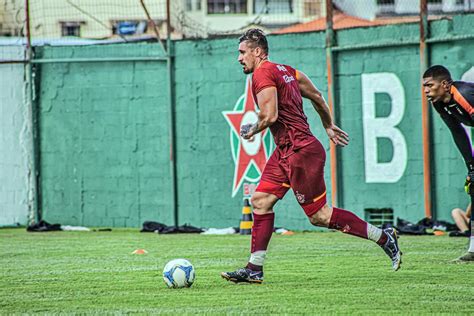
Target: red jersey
291	130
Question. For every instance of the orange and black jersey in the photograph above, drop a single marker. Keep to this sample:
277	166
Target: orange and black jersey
461	106
459	110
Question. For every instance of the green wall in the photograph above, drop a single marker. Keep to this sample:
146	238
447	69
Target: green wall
104	138
105	128
405	195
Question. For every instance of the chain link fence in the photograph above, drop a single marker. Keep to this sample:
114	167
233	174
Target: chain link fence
60	22
89	22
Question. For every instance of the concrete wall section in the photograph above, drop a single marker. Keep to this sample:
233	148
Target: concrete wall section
15	142
105	139
104	128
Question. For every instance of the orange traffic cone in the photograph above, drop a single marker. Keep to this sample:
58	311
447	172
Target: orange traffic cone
246	222
140	252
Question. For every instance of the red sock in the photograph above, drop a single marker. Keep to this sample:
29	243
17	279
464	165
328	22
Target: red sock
262	231
383	239
348	222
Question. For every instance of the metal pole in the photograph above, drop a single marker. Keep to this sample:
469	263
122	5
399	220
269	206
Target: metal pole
330	71
28	28
172	117
13	61
451	38
168	21
97	60
425	113
155	27
35	211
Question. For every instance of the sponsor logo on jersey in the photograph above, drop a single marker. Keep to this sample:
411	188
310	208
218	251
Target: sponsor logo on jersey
288	79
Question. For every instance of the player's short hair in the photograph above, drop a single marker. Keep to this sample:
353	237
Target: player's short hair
438	72
256	38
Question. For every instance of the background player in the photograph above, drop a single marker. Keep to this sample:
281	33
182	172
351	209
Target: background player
298	160
454	101
462	219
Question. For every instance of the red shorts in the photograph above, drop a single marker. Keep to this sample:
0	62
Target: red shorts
303	171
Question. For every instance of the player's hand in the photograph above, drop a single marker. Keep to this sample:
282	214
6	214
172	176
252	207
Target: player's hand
247	131
469	183
467	186
337	135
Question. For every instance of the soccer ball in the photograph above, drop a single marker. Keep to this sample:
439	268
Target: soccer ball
179	273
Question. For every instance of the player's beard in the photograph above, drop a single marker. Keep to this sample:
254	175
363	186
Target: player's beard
246	70
435	99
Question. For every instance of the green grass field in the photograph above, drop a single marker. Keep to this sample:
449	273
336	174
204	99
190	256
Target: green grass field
309	273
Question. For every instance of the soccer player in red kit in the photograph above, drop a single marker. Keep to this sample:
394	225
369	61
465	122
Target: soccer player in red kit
298	160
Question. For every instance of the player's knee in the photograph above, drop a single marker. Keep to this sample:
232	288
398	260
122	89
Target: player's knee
262	203
456	212
255	201
321	217
258	201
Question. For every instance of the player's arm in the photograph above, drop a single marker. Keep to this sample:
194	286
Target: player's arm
460	137
309	91
464	95
267	100
463	143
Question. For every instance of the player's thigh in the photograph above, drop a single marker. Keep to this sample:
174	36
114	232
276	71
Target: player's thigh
464	216
459	214
274	179
307	177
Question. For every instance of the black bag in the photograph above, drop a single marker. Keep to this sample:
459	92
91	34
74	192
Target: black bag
160	228
43	226
406	228
151	227
188	229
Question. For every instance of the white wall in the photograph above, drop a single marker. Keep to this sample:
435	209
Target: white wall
364	9
15	141
368	9
230	22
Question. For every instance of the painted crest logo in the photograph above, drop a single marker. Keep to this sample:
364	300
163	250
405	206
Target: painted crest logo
300	197
249	157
